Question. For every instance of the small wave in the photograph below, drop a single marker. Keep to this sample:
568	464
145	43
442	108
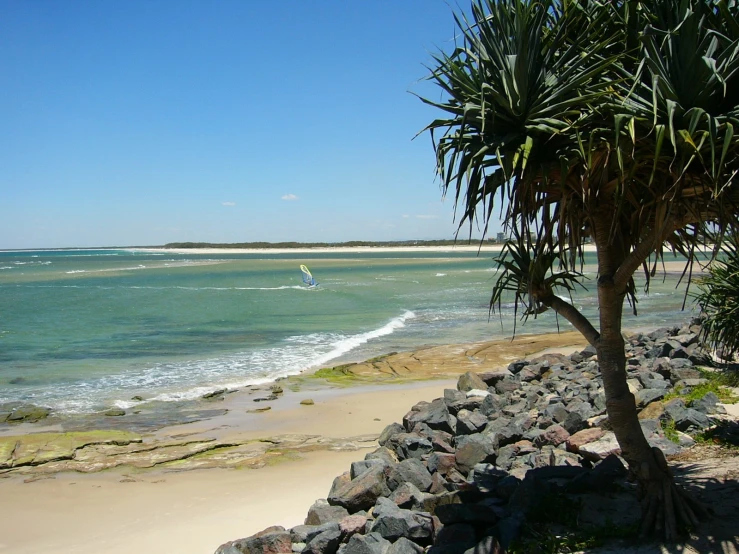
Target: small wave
77	271
441	274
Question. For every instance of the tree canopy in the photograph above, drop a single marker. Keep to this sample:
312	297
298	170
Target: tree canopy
609	121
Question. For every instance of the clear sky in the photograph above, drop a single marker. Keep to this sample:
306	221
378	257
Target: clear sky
147	122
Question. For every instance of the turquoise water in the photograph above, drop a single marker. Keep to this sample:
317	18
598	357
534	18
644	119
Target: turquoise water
82	330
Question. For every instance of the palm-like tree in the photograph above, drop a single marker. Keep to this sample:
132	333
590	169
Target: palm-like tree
606	120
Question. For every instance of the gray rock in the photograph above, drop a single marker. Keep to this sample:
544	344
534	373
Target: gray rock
469	381
491	405
647	396
322	512
326	542
408	471
685	418
390	431
708	404
373	543
360	493
383	453
404	546
434	414
411	445
408	496
508	384
393	522
473	449
306	533
272	540
357	468
470	422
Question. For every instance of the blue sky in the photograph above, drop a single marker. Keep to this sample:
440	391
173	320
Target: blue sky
147	122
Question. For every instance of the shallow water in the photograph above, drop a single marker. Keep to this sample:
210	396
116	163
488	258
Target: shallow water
82	330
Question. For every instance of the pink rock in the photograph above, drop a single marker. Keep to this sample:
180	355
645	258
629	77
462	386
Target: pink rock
583	437
554	435
351	525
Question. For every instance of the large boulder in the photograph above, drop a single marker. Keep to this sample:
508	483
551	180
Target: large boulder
470	381
273	540
408	471
360	493
372	543
393	522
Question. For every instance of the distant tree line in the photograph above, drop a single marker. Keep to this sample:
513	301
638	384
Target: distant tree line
353	243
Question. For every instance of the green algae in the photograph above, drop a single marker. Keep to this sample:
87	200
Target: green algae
40	448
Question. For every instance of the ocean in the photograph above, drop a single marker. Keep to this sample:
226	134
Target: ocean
83	330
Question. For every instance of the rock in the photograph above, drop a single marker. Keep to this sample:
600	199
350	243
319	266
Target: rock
652	411
407	496
408	471
392	522
273	540
360	493
410	445
306	533
325	543
115	412
441	462
708	404
685	418
214	395
259	410
322	512
373	543
646	396
383	453
357	468
473	449
600	449
404	546
27	413
554	435
351	525
137	398
307	402
389	432
434	414
470	422
584	437
470	381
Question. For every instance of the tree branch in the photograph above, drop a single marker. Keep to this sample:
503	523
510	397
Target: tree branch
573	315
634	260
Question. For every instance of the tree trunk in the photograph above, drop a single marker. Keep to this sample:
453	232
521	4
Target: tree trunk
664	505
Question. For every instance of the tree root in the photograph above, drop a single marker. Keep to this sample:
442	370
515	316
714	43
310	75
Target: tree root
666	507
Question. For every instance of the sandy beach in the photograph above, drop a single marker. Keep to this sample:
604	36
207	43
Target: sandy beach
185	510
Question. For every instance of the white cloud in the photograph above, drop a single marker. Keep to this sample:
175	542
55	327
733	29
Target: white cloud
289	197
427	217
405	216
228	203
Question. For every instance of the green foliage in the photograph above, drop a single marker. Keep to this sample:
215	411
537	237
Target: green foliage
668	427
573	119
718	297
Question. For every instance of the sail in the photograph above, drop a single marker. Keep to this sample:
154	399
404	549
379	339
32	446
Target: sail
307	277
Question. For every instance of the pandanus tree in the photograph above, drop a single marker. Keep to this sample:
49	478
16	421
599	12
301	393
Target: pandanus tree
603	121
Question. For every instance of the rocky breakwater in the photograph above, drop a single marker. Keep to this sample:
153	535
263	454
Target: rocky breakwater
464	473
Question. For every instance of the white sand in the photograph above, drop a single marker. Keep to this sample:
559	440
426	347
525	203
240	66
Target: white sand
193	512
